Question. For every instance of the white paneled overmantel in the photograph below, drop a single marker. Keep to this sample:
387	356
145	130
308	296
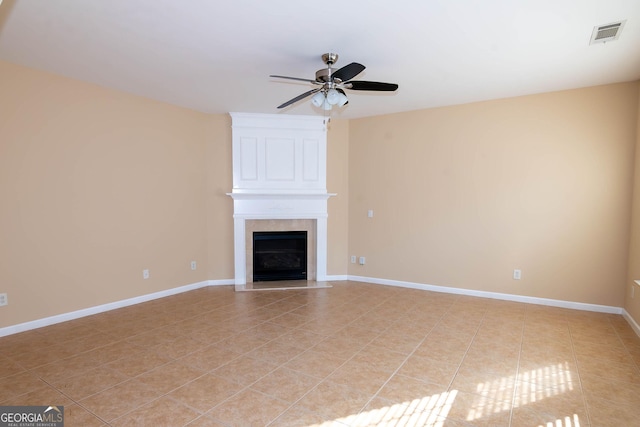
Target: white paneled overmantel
274	152
279	173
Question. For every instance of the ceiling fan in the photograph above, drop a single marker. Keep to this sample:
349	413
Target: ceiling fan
333	82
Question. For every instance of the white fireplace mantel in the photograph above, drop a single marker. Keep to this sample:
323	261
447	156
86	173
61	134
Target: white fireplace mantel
279	173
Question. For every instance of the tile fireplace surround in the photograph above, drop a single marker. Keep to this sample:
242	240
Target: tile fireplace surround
308	225
279	184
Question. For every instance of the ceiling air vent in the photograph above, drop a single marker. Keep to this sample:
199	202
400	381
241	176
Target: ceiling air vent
606	33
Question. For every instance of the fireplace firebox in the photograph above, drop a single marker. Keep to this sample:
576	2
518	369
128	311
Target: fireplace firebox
279	255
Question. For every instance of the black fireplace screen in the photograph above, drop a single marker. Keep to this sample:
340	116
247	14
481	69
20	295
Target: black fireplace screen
279	255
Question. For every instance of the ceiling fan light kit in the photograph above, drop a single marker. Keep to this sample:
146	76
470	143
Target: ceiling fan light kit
327	99
333	83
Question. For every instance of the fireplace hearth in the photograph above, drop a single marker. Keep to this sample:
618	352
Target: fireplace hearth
279	255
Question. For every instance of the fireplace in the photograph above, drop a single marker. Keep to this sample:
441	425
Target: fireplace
279	255
280	225
279	185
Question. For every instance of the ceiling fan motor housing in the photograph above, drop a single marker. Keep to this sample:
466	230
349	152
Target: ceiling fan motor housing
324	75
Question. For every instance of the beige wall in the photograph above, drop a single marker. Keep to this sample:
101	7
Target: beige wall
338	205
632	304
219	206
463	195
95	186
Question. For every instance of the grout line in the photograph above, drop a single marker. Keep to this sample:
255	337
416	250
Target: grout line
338	367
328	375
261	316
514	394
624	344
575	360
407	358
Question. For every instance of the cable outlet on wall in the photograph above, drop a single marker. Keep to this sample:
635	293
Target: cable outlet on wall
4	300
145	274
194	265
517	274
353	259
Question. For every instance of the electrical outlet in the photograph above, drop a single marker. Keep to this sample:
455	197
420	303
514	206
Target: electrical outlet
353	259
4	300
517	274
145	274
362	260
194	265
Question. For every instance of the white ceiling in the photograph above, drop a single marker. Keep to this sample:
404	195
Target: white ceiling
216	56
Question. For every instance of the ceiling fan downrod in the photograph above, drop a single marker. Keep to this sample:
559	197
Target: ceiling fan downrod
324	75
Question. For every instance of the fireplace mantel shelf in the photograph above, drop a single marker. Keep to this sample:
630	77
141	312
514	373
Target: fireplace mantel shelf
258	195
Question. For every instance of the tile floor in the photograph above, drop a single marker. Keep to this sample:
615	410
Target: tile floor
352	355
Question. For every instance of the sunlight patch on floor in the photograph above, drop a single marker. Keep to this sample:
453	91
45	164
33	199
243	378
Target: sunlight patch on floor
490	397
565	422
429	411
533	386
543	383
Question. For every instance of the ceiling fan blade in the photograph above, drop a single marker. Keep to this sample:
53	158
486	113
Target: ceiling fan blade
375	86
348	71
295	78
299	97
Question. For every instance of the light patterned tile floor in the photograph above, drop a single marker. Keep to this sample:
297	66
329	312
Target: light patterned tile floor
352	355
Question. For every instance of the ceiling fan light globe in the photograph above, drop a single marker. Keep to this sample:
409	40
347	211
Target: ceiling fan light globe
342	100
326	105
333	96
318	99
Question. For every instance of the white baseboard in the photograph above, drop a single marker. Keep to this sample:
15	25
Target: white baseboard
34	324
631	321
22	327
494	295
508	297
337	278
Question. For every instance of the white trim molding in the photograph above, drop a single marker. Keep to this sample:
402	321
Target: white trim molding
631	321
47	321
64	317
493	295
